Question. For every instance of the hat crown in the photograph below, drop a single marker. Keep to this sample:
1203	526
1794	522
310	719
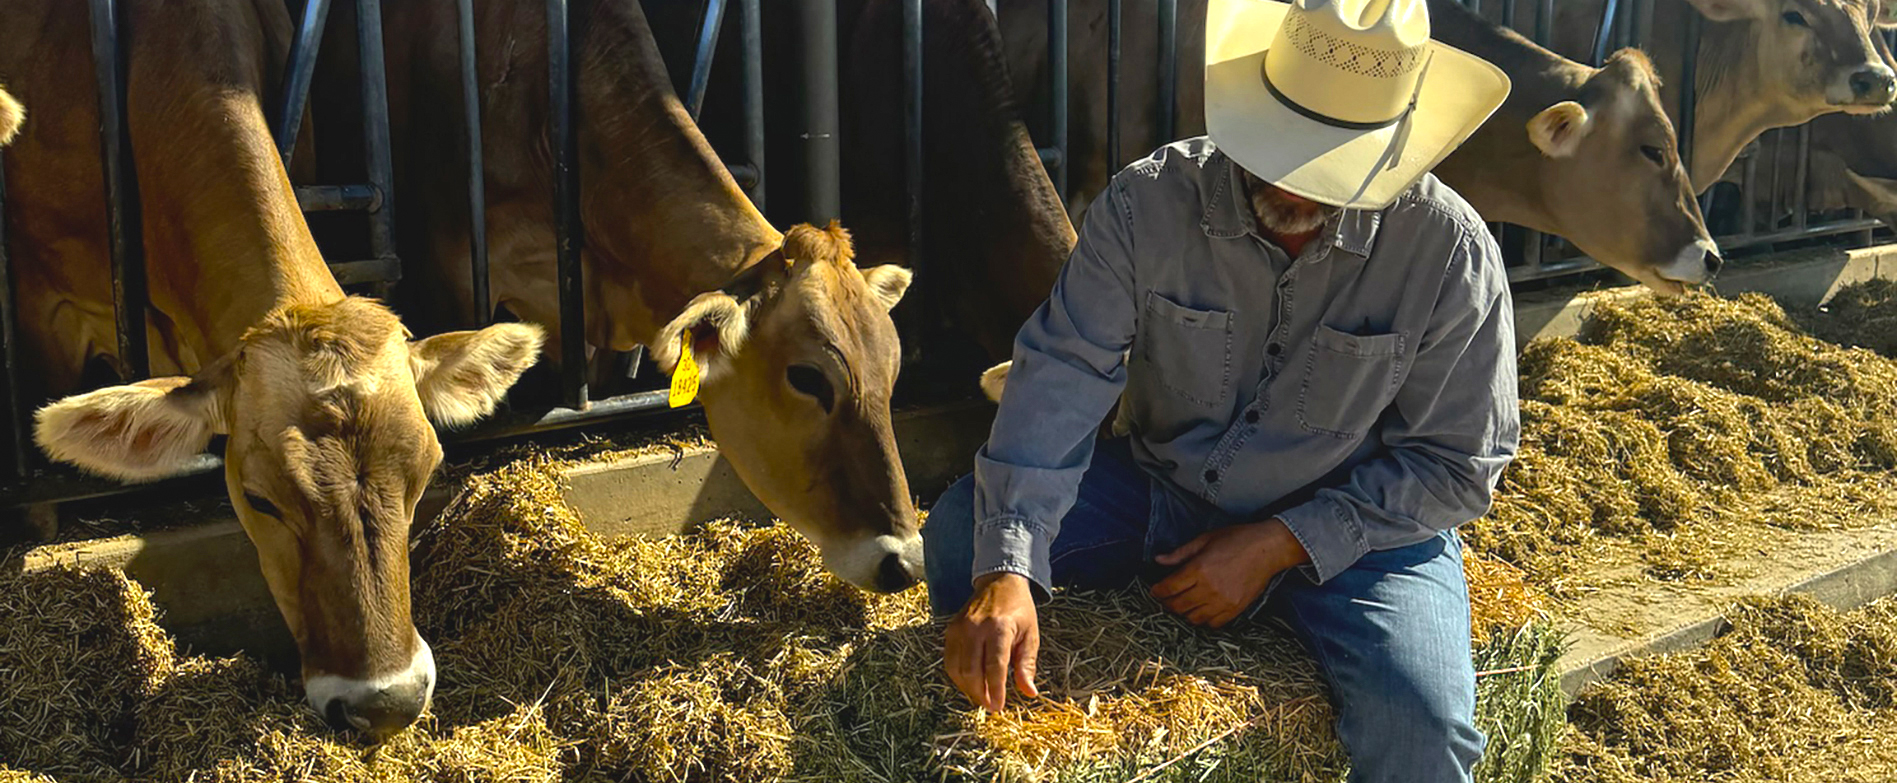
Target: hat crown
1357	61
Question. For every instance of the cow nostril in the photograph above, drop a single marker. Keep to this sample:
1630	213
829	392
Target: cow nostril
337	714
1713	262
1875	81
893	575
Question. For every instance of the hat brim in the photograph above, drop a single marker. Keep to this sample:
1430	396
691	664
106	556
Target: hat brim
1330	165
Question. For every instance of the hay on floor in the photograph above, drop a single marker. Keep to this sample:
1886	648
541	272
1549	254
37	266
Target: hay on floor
728	654
1676	429
1794	692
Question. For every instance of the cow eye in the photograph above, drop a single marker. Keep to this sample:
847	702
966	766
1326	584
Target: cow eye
1795	19
809	381
1653	154
260	505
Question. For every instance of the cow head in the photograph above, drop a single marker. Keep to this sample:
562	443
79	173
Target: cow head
1818	55
1612	178
327	411
798	357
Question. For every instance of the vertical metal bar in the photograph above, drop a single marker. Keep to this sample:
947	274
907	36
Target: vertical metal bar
1603	32
1057	90
1113	85
1474	6
17	432
1775	201
1168	69
129	294
1508	13
1639	16
477	170
912	161
375	126
701	60
1801	200
568	239
1689	89
751	33
1623	26
818	111
1544	22
296	83
1748	188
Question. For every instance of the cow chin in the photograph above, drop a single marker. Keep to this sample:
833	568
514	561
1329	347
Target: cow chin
878	564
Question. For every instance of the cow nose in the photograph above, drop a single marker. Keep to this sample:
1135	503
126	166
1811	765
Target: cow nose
895	574
1713	263
1874	83
380	713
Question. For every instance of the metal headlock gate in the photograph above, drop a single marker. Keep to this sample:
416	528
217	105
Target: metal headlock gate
816	126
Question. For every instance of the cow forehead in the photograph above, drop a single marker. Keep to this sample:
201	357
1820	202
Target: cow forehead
838	306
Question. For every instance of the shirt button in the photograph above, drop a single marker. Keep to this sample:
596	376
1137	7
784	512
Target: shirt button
1211	477
1251	417
1274	349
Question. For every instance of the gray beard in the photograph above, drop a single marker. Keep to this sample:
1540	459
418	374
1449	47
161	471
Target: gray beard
1282	217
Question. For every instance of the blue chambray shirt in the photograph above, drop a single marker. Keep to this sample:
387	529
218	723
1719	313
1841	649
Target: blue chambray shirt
1364	392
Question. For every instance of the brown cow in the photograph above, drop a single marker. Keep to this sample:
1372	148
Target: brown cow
1584	153
1762	64
799	351
325	401
1853	166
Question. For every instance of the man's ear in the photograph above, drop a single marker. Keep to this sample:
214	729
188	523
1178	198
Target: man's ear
888	282
138	432
717	324
1733	10
1558	130
462	376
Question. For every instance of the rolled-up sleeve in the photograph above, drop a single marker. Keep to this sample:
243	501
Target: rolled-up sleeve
1069	367
1455	424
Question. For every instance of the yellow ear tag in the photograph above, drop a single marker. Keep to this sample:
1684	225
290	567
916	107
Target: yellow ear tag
685	375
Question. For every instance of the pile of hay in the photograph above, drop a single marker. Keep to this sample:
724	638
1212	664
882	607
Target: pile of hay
1862	315
1676	429
723	655
1795	692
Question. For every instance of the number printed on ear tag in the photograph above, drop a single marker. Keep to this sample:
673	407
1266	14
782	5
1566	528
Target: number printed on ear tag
685	375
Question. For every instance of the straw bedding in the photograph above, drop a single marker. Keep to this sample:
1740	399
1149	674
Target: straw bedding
1673	432
727	654
1794	692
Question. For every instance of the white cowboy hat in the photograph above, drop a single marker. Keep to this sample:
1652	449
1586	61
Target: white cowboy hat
1343	102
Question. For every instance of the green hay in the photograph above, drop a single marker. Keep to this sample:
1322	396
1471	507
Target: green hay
1678	430
727	655
1794	692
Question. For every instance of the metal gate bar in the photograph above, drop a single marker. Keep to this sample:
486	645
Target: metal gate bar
129	293
912	160
714	19
299	74
9	344
477	169
568	236
1054	155
751	35
1113	85
1168	70
375	134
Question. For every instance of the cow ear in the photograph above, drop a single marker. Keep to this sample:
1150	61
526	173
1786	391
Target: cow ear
1732	10
462	376
717	325
1558	129
138	432
12	115
888	283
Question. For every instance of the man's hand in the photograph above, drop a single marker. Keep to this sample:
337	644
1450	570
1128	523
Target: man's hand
997	631
1222	572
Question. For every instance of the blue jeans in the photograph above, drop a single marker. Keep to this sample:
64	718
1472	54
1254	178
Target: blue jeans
1390	634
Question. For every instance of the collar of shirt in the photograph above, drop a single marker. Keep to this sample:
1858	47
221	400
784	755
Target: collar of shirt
1227	216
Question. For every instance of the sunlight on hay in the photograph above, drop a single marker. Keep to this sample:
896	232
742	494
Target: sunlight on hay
727	654
1679	427
1794	692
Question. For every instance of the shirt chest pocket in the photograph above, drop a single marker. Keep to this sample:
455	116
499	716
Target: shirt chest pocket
1186	350
1349	379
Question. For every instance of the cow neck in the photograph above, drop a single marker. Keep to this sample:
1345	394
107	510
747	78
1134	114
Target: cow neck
667	220
226	240
1725	119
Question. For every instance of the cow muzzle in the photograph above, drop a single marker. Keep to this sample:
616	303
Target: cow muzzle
1695	264
1870	88
882	564
379	706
